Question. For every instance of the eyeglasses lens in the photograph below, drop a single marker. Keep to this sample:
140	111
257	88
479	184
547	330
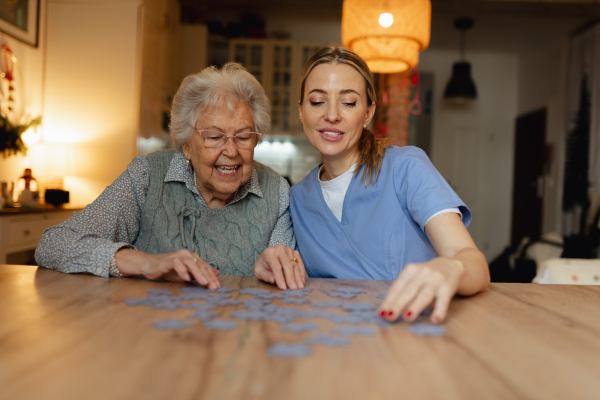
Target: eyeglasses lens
244	140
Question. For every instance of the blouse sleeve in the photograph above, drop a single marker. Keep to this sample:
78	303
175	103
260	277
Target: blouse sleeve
282	232
87	241
422	190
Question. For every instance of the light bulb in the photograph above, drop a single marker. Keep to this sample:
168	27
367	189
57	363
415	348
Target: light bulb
386	20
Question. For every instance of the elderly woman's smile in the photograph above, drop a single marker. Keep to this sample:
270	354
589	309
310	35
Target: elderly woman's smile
220	171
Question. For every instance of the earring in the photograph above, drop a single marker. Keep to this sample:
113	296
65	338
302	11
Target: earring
187	162
364	127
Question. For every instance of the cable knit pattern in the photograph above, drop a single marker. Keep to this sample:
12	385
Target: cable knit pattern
228	238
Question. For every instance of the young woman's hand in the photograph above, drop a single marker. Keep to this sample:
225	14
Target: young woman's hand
420	285
459	269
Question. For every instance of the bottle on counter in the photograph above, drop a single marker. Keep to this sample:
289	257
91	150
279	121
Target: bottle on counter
29	197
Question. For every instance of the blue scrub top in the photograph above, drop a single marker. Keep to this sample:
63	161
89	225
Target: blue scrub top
382	227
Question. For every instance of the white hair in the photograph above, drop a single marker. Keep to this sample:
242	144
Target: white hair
208	89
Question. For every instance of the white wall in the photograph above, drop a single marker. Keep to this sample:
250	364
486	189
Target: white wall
90	97
472	145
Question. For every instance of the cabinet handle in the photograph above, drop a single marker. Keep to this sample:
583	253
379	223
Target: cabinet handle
26	232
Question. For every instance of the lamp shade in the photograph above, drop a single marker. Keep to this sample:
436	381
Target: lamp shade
387	34
461	85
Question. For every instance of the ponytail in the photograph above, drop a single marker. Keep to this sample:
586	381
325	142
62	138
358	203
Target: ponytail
371	151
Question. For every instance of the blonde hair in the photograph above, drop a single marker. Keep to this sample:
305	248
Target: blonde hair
371	149
208	89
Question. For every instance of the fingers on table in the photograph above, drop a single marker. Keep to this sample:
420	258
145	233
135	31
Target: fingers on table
282	266
205	274
187	265
300	270
413	292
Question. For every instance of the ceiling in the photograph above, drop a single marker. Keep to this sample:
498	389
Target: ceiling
500	25
563	8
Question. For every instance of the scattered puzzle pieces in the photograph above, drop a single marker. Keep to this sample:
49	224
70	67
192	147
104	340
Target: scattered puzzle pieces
260	308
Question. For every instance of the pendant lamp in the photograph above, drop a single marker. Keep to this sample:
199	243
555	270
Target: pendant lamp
387	34
461	87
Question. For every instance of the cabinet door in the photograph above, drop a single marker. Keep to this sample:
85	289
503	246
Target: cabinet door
282	89
249	53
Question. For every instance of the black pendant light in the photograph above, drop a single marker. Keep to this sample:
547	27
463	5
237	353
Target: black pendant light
461	87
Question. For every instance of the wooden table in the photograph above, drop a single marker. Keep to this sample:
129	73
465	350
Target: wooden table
73	337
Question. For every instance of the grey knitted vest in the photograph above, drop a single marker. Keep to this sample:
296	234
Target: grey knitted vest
228	238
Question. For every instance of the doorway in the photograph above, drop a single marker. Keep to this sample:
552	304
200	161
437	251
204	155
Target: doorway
528	182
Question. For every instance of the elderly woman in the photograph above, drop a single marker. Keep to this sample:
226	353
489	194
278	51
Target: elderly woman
193	213
375	211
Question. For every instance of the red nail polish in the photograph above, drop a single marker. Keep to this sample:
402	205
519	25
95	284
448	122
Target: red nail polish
382	313
390	313
408	314
436	319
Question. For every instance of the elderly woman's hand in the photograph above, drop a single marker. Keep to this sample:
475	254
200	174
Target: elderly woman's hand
180	266
282	266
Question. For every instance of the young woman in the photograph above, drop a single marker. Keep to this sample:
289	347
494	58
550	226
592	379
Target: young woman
375	211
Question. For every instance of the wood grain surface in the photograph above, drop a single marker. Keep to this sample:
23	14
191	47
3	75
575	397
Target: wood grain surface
73	337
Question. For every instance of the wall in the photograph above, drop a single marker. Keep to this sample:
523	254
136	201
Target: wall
472	144
90	95
31	60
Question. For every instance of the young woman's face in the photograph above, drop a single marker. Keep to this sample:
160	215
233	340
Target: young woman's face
334	110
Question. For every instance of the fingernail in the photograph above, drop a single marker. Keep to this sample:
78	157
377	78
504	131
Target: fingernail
408	314
382	313
437	319
390	313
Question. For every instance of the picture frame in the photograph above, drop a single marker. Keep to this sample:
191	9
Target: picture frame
21	19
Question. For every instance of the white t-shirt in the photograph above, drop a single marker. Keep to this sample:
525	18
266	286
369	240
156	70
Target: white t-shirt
334	192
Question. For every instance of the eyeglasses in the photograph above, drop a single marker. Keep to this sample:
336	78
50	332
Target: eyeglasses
243	140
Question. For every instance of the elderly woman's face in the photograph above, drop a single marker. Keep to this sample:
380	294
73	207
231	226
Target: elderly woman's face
220	171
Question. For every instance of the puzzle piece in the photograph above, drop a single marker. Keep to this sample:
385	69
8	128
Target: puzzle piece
427	329
289	350
255	291
294	300
224	289
342	295
356	330
332	304
220	324
159	292
144	301
300	327
347	289
204	315
358	307
172	324
327	340
250	315
345	319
